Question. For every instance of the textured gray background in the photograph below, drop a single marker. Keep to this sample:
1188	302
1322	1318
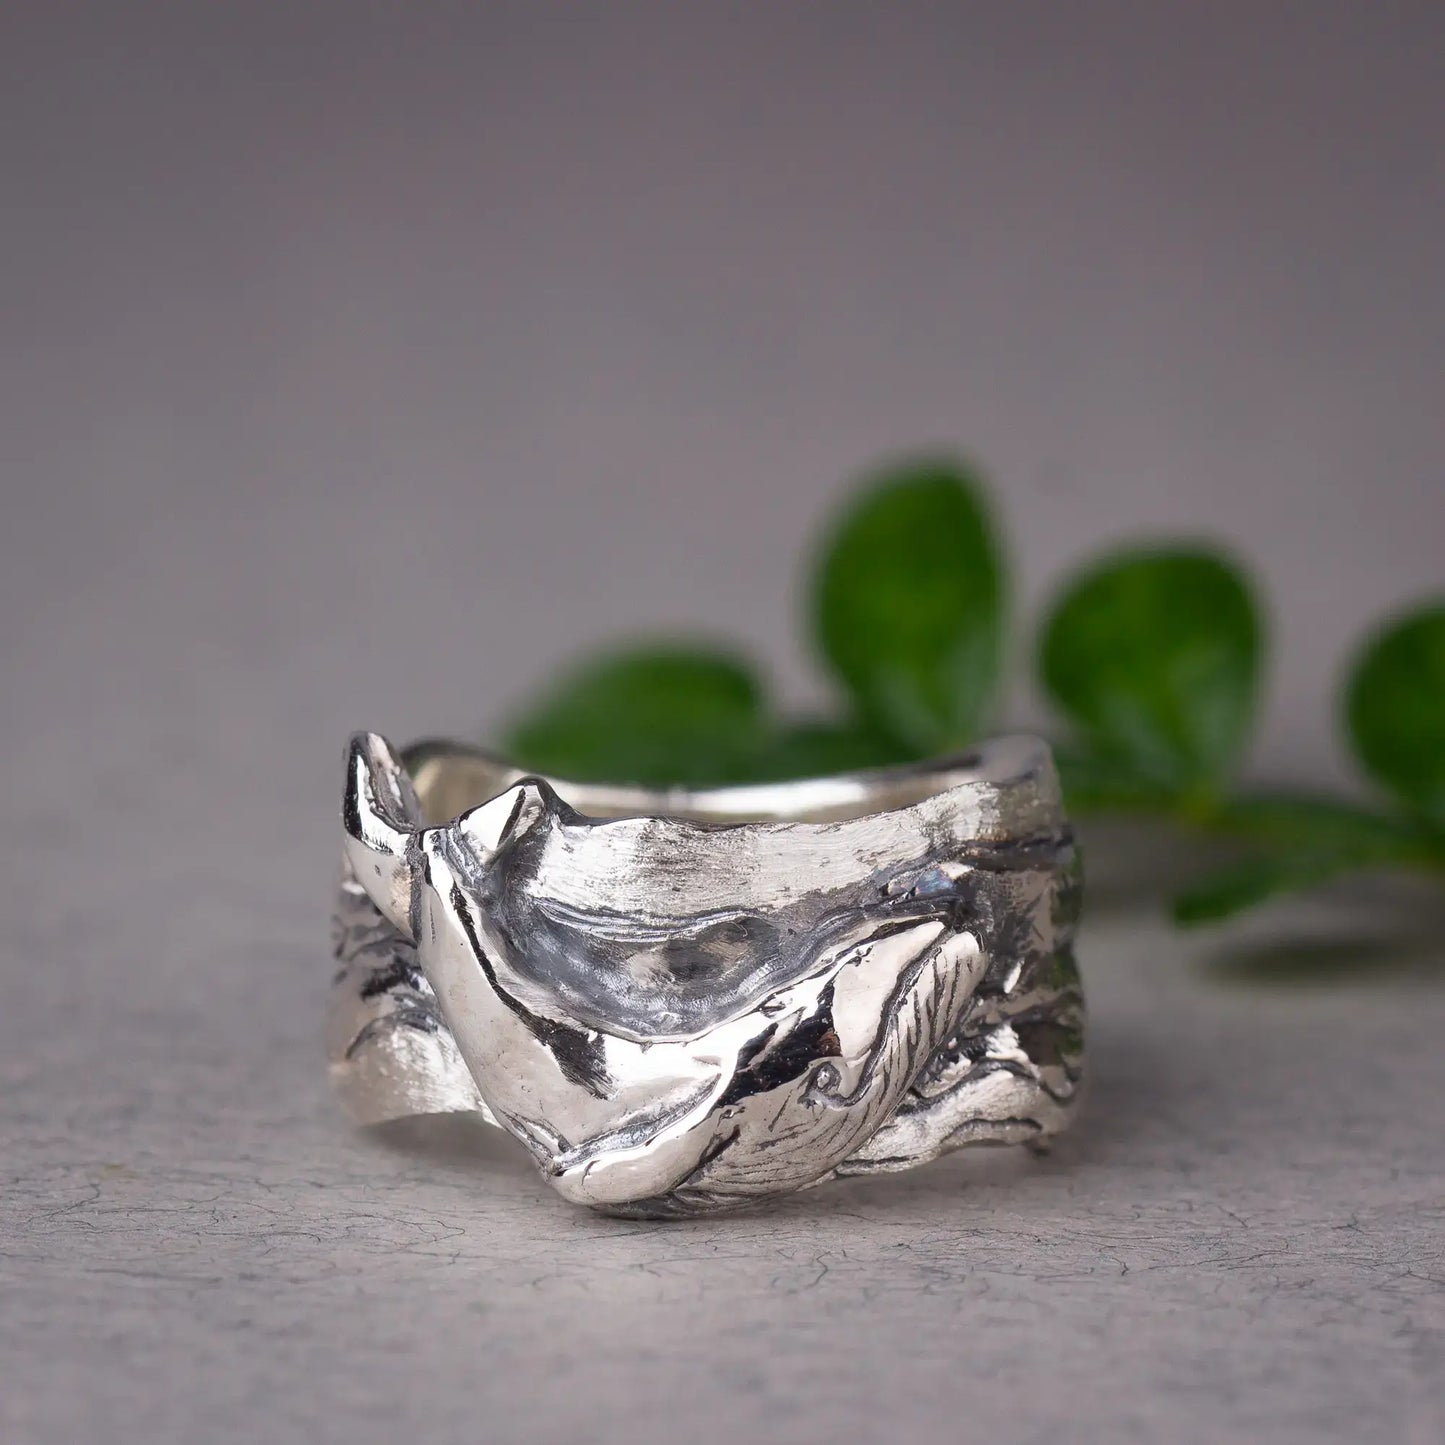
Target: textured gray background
356	363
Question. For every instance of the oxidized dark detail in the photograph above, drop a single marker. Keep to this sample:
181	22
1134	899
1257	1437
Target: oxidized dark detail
676	1013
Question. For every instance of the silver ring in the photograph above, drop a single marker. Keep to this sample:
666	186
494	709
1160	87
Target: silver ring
689	1001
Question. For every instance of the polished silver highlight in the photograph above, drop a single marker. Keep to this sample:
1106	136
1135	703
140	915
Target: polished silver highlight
688	1001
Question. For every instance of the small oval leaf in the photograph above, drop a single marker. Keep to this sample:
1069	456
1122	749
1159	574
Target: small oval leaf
816	749
908	604
657	715
1154	655
1107	785
1395	709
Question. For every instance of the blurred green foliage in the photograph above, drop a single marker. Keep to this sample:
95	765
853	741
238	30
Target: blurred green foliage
1154	659
658	715
1151	655
907	605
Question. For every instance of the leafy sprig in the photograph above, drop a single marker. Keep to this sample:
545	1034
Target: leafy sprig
1151	655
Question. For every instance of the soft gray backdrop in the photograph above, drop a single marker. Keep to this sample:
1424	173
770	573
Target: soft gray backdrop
359	362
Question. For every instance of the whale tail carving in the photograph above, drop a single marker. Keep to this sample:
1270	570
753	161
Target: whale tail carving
380	815
382	820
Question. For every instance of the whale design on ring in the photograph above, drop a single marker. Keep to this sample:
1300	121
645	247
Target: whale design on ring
689	1002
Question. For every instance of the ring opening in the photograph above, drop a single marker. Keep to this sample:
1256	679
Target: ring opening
453	777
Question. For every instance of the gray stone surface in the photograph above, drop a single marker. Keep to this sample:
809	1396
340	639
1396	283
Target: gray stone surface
1245	1238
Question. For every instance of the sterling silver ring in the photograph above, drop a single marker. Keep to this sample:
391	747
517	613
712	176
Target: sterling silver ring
681	1002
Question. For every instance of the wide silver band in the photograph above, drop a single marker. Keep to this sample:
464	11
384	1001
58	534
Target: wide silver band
686	1001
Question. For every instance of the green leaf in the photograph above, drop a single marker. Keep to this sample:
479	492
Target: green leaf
1314	822
1395	709
1154	655
1312	839
1247	884
908	606
1108	785
657	715
815	749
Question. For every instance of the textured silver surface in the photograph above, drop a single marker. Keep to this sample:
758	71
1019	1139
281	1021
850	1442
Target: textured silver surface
676	1010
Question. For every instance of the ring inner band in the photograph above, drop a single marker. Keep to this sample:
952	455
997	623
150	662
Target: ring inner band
452	777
